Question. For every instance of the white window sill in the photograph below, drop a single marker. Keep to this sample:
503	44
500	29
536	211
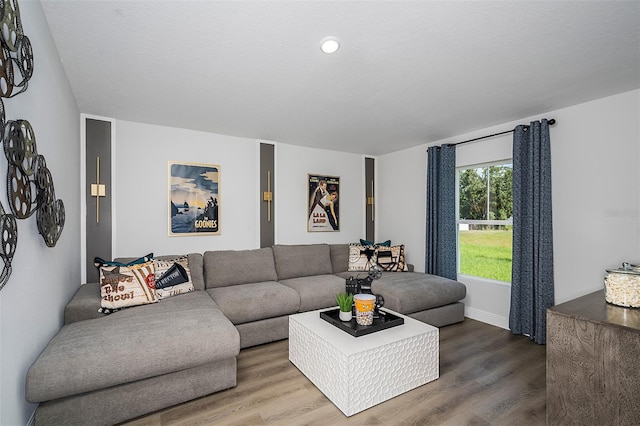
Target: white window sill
480	280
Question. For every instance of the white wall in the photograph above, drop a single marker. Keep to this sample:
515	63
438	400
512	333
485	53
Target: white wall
141	196
401	204
596	175
43	279
293	163
595	149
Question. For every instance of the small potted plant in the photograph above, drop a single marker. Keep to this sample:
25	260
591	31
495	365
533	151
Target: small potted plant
345	301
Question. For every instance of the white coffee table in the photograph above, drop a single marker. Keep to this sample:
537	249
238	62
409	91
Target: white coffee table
356	373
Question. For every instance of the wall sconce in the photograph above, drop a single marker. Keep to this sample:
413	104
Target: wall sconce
268	196
370	202
98	190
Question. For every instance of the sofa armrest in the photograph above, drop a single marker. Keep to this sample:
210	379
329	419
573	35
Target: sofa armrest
84	304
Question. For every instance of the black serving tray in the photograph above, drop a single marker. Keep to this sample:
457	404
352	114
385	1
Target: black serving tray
382	322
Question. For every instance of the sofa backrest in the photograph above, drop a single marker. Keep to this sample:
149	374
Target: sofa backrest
195	266
339	257
232	267
293	261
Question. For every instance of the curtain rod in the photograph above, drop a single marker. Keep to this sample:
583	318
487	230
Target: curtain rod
550	122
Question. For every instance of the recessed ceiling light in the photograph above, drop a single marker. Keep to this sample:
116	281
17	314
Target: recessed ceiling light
329	44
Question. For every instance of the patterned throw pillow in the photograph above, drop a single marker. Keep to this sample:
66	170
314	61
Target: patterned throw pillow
172	277
123	285
361	258
391	258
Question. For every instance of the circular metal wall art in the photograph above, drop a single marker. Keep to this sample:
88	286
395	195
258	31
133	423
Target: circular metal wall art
11	23
16	55
9	240
50	218
29	182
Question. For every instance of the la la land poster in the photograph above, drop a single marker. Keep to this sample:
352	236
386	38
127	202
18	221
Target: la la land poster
194	198
324	205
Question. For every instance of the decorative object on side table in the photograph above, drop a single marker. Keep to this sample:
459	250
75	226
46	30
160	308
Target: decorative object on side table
345	301
622	286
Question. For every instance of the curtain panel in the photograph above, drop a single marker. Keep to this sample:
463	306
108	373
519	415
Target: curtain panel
440	253
532	286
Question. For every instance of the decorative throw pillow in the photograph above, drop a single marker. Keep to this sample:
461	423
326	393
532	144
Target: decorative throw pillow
369	243
391	258
123	285
172	277
361	257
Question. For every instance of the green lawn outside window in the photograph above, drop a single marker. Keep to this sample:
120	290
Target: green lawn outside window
486	254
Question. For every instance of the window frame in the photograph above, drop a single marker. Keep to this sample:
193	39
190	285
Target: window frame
508	222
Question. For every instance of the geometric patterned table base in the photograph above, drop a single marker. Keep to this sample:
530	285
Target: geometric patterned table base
356	373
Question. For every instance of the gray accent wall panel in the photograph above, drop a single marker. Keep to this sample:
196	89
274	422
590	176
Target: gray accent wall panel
98	144
369	174
267	225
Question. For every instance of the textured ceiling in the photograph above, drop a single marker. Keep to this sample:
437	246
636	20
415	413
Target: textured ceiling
408	72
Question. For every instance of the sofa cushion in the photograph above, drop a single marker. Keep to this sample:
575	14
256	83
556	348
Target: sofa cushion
256	301
293	261
232	267
195	267
339	257
182	332
316	292
411	292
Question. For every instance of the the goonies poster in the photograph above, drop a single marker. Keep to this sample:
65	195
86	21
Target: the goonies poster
194	199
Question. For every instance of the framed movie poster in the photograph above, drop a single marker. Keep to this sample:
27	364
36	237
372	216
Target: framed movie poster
324	205
194	199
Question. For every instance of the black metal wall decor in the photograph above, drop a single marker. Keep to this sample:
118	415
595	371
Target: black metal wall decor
29	182
16	58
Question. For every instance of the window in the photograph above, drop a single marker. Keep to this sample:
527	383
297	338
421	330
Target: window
485	221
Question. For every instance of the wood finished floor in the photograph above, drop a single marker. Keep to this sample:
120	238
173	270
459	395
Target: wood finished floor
487	377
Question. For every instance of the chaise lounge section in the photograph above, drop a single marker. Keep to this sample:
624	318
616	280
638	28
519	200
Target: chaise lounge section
105	369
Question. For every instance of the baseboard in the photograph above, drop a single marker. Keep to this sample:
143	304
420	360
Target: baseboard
486	317
32	419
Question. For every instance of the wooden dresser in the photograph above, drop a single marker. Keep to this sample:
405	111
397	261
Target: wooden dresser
593	363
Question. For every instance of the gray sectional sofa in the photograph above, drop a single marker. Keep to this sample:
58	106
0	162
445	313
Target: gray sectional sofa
105	369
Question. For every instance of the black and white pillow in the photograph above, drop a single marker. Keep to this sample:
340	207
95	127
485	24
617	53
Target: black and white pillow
391	259
173	277
361	257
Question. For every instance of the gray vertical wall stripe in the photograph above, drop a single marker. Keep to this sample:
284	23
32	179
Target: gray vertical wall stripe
267	227
440	253
369	171
532	286
98	144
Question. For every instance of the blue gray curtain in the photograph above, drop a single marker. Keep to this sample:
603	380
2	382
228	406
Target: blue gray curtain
532	273
440	253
